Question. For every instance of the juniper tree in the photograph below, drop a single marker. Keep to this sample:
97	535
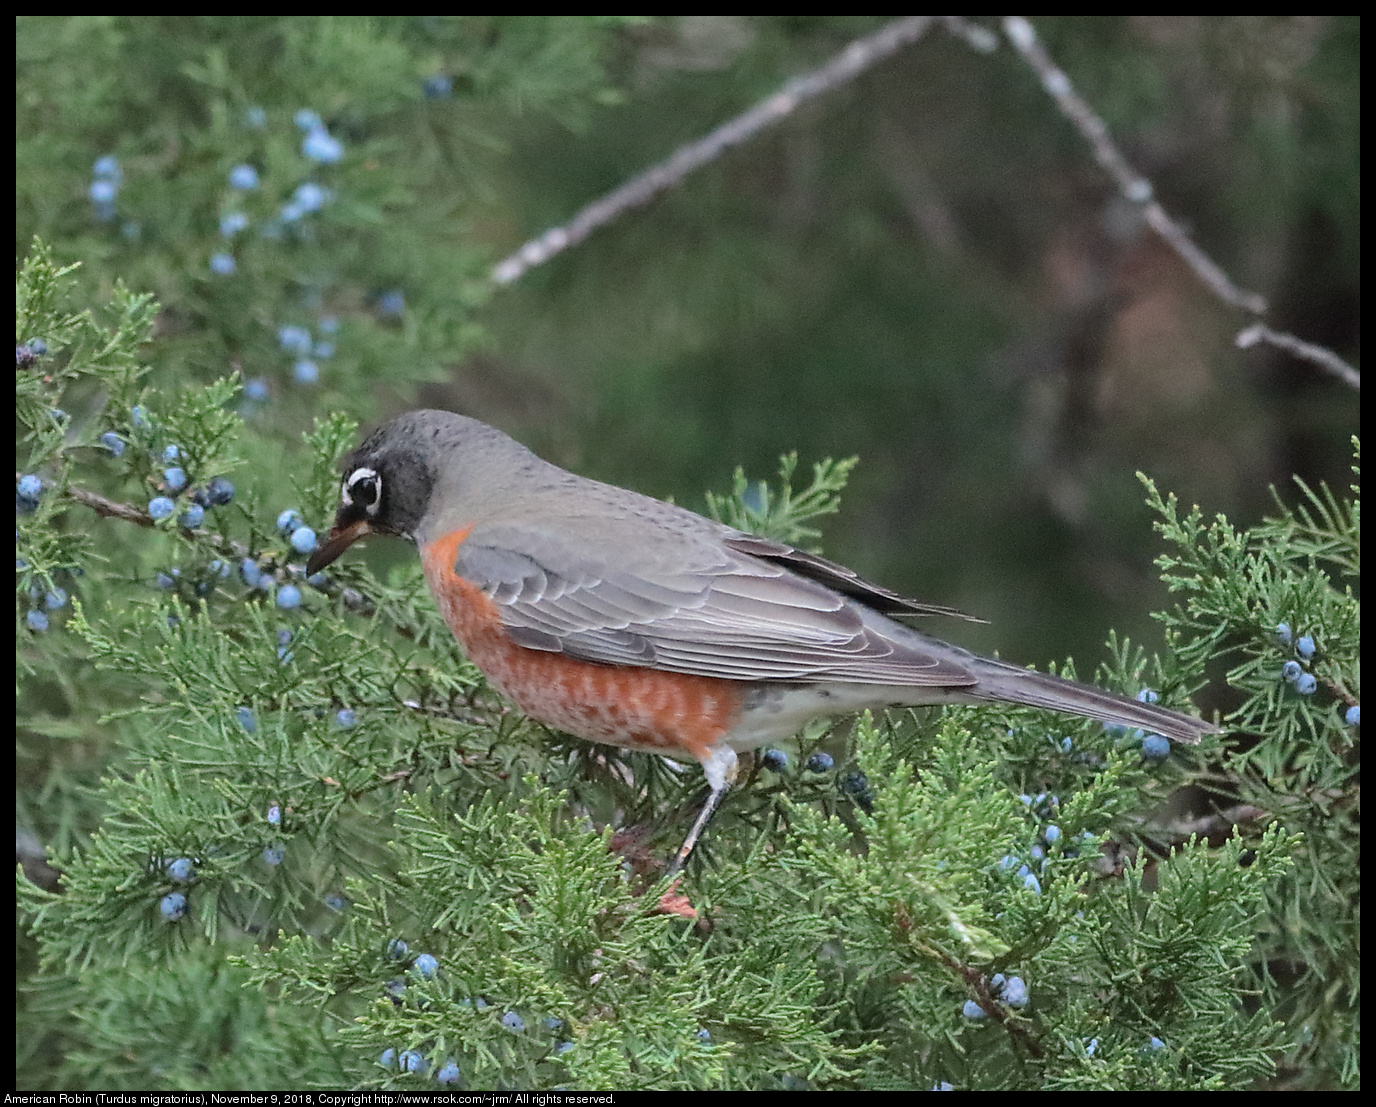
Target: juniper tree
312	825
277	832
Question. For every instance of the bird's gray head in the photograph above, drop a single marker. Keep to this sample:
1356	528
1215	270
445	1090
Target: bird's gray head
409	470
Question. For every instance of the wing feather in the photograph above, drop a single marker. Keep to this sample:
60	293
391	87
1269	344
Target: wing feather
695	602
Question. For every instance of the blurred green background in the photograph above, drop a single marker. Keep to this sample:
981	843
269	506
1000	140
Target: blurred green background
924	268
928	270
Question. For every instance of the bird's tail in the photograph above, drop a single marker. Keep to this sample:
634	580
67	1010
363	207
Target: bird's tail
999	680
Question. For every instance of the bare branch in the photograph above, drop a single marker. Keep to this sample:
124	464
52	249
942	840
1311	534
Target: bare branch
859	56
1138	190
1131	184
353	599
1319	355
1216	824
109	508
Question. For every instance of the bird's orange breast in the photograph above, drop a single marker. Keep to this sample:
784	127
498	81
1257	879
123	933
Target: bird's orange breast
645	709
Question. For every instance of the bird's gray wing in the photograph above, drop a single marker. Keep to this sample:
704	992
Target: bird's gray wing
683	595
837	577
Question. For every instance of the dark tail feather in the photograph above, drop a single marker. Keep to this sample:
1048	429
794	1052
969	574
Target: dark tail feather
1000	681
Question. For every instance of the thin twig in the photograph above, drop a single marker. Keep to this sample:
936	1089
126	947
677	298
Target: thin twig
1215	824
1138	190
110	508
845	66
1320	355
353	599
1130	183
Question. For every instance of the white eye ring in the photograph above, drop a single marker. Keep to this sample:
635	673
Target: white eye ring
352	479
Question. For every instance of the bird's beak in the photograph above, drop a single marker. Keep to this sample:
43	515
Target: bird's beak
340	538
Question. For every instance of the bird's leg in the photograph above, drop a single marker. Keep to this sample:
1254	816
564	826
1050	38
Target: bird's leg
720	767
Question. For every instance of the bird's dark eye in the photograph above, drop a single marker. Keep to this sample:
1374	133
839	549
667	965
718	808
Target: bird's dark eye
363	488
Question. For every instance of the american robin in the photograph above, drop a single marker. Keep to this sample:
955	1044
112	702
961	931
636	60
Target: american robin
626	620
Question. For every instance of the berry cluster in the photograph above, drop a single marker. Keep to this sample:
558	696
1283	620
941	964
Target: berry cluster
218	492
426	967
776	761
1029	879
309	197
292	217
45	595
106	179
173	906
854	784
26	355
175	481
1050	841
307	351
1293	672
318	144
288	597
1010	991
411	1061
1153	747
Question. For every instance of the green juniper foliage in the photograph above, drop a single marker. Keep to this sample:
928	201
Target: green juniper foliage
1284	595
281	833
783	515
855	928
